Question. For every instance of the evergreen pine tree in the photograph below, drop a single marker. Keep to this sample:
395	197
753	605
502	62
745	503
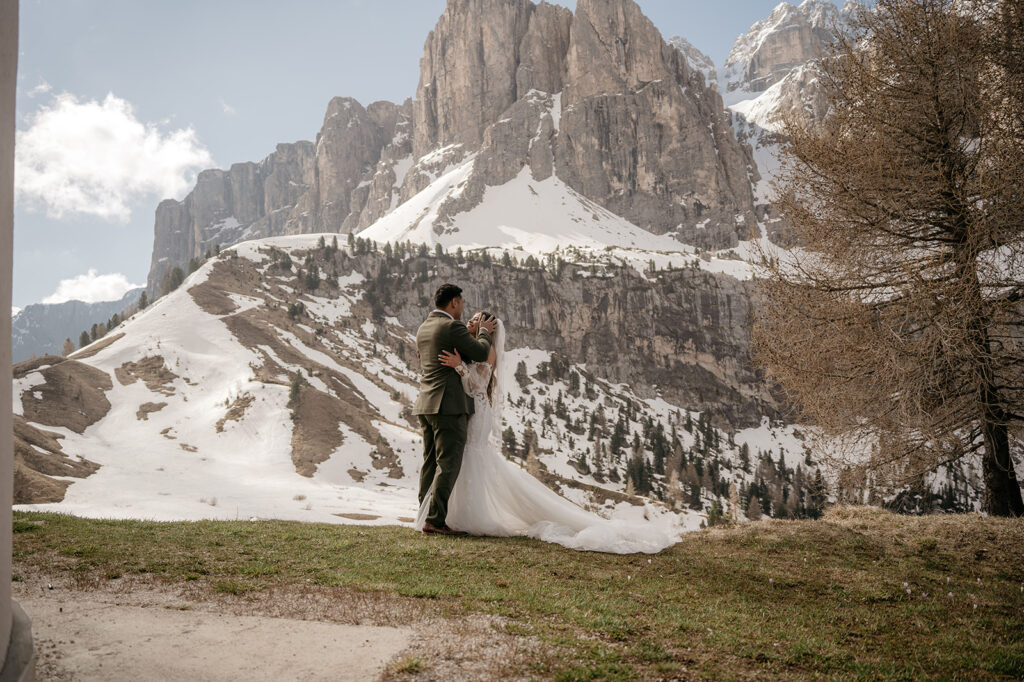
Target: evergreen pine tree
715	513
172	279
817	497
618	439
508	441
313	278
294	391
695	498
69	347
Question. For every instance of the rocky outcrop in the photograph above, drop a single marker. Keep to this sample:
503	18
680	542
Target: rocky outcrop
346	176
42	470
543	50
376	196
348	148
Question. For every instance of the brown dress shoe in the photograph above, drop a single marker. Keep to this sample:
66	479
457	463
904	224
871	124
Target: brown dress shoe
443	530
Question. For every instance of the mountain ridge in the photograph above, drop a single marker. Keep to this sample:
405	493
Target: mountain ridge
41	328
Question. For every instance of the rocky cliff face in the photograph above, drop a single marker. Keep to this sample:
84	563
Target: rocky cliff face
643	135
468	71
247	201
347	176
597	99
683	334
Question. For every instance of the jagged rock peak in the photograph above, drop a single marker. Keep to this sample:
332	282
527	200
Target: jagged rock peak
615	48
482	56
790	36
695	59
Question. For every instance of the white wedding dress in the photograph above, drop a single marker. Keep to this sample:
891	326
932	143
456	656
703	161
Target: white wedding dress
496	497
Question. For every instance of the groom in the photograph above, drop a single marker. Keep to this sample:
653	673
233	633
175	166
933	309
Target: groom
442	405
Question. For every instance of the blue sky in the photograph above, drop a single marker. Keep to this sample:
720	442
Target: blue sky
120	102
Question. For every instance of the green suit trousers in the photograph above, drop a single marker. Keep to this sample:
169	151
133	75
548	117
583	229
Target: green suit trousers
444	440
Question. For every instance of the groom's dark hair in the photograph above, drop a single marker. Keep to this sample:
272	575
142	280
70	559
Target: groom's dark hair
445	294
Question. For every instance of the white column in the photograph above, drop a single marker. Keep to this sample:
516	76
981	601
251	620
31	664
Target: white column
15	630
8	84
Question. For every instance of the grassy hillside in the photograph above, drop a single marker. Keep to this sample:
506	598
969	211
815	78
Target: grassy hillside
860	594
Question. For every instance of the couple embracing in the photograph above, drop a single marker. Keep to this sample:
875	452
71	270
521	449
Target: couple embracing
466	486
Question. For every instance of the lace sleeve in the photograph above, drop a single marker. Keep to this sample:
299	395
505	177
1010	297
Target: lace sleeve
475	378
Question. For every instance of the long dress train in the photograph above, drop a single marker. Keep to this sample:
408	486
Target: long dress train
495	497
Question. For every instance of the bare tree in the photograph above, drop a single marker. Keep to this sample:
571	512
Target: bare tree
754	509
897	327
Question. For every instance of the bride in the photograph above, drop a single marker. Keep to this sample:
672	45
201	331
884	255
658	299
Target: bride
495	497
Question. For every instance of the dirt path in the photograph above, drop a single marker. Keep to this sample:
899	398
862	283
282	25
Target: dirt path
80	637
135	629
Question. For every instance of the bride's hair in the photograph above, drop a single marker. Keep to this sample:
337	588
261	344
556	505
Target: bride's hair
494	370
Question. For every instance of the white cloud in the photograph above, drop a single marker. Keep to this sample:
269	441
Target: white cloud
91	288
96	158
15	310
228	109
40	89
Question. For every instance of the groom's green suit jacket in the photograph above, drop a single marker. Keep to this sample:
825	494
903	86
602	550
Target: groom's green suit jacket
441	387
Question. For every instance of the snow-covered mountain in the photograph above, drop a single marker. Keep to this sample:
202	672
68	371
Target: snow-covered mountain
788	38
771	70
41	328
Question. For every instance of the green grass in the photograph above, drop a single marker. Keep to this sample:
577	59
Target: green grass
409	665
799	599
